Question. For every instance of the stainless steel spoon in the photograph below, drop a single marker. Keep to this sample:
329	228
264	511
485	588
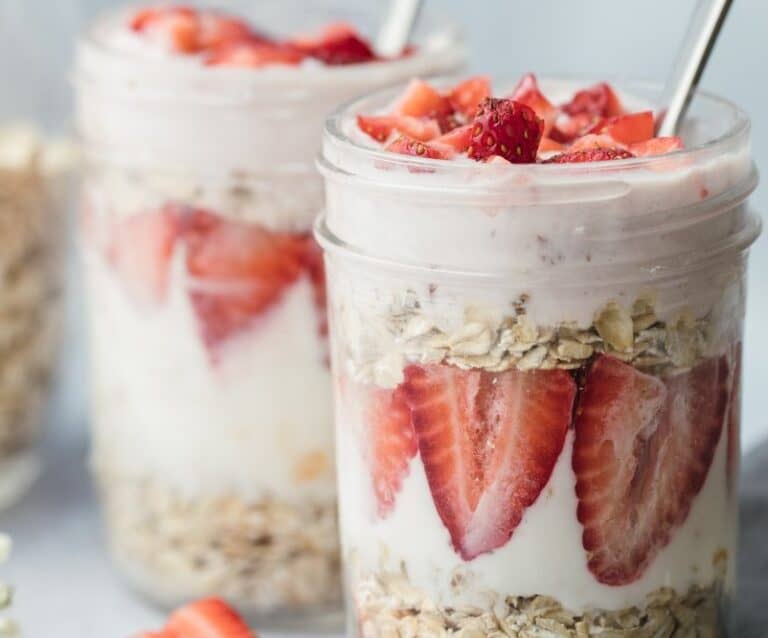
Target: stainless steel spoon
397	27
702	33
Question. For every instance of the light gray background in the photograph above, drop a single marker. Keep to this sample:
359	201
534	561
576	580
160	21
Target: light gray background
65	586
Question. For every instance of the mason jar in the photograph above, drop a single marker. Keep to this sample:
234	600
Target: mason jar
536	372
210	387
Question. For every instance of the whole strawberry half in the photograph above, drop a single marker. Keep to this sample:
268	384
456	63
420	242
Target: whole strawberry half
643	447
489	442
239	271
505	128
596	154
390	441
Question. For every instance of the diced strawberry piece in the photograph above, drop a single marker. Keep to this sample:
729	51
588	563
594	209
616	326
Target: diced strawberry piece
642	451
549	145
423	100
140	250
380	127
252	54
218	29
240	270
392	442
567	128
178	28
593	141
527	92
599	100
408	146
589	155
207	618
505	128
628	129
489	442
458	139
466	96
337	44
657	146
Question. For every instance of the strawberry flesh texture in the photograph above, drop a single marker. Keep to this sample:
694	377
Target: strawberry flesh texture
489	442
657	146
642	451
405	145
207	618
392	443
507	129
597	101
252	54
380	127
458	139
337	44
465	97
251	267
527	92
140	250
597	154
628	129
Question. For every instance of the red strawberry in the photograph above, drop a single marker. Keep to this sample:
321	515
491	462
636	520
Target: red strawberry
568	128
642	451
548	145
240	271
140	250
380	127
527	92
337	44
408	146
458	139
657	146
217	29
593	141
507	129
207	618
422	100
628	129
178	28
599	100
589	155
252	53
489	442
466	96
392	441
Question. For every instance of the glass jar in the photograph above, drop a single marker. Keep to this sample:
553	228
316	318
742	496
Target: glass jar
210	389
536	374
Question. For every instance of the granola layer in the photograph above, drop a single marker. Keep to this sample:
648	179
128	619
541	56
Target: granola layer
388	606
261	556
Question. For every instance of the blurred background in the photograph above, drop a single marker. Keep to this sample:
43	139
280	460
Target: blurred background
604	38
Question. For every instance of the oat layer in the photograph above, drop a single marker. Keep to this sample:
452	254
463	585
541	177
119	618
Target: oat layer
262	557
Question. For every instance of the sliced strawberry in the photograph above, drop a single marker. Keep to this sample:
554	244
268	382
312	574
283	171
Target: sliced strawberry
240	271
642	451
420	99
466	96
505	128
527	92
140	250
549	145
567	128
380	127
589	155
217	29
657	146
405	145
252	53
207	618
489	442
599	100
392	442
629	129
458	139
592	141
337	44
176	28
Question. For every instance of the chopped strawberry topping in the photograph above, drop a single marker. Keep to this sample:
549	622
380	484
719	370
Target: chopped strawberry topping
466	96
642	451
392	441
589	155
252	54
599	100
593	141
527	92
241	270
489	442
505	128
628	129
207	618
337	44
657	146
422	100
458	139
140	250
380	127
405	145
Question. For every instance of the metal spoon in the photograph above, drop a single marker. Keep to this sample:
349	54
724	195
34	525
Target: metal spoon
698	44
397	27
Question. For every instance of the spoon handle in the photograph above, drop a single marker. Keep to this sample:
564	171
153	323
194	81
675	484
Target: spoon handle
698	44
397	27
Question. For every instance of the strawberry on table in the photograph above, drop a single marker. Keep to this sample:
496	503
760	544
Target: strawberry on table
505	128
466	96
643	447
489	442
239	271
140	249
207	618
392	441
